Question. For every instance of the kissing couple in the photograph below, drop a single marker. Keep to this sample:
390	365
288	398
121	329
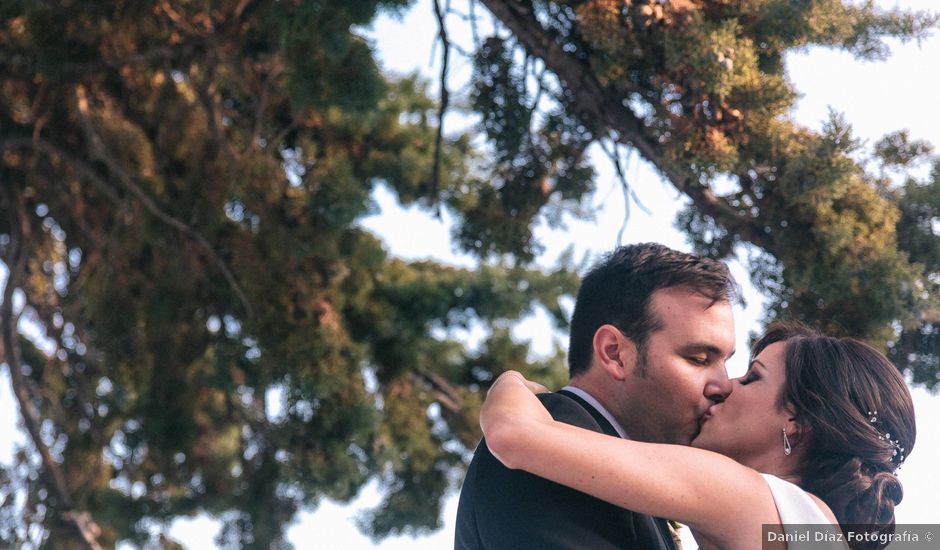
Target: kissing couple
651	428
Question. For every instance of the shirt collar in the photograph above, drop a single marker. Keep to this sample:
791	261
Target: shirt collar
600	408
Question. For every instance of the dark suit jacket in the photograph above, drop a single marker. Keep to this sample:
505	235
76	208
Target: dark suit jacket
510	509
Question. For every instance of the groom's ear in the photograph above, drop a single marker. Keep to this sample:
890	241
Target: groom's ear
614	352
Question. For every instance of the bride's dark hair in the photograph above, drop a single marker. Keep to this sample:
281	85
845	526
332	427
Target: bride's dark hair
858	423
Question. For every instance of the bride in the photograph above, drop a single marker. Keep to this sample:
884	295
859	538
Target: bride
812	434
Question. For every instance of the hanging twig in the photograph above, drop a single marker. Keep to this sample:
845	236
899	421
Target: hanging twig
274	72
16	264
442	108
628	192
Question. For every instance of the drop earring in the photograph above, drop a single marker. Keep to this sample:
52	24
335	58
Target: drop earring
787	449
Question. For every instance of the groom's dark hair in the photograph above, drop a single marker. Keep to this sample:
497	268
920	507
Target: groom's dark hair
618	289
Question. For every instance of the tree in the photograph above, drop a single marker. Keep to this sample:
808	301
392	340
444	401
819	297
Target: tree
699	90
181	184
205	326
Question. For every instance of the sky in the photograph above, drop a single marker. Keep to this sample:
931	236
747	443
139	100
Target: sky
875	97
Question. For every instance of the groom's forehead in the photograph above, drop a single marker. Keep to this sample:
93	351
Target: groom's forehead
685	300
694	320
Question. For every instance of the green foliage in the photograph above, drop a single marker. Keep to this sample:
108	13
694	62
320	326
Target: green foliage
539	159
708	84
700	91
918	346
225	337
899	150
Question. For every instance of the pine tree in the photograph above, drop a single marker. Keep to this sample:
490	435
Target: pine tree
194	319
210	327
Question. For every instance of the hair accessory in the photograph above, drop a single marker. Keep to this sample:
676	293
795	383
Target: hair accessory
787	449
898	456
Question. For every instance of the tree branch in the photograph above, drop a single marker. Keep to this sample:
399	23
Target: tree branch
442	108
84	392
213	106
87	172
84	170
603	110
442	390
98	151
16	264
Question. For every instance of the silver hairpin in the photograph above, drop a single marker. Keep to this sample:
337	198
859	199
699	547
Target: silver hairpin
898	455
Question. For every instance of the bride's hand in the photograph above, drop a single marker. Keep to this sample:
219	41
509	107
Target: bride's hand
510	410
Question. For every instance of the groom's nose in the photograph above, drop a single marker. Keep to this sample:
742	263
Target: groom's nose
718	389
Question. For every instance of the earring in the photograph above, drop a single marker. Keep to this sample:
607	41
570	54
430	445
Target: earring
787	449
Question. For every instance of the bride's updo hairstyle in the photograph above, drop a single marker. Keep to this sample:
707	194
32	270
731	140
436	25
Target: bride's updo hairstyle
858	423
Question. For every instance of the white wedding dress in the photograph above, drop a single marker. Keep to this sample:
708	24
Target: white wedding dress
803	522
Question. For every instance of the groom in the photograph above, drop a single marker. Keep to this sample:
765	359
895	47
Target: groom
650	333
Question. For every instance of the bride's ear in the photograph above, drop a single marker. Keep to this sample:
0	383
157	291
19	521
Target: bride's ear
615	353
799	432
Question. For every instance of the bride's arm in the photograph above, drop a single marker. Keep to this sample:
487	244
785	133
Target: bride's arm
707	491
